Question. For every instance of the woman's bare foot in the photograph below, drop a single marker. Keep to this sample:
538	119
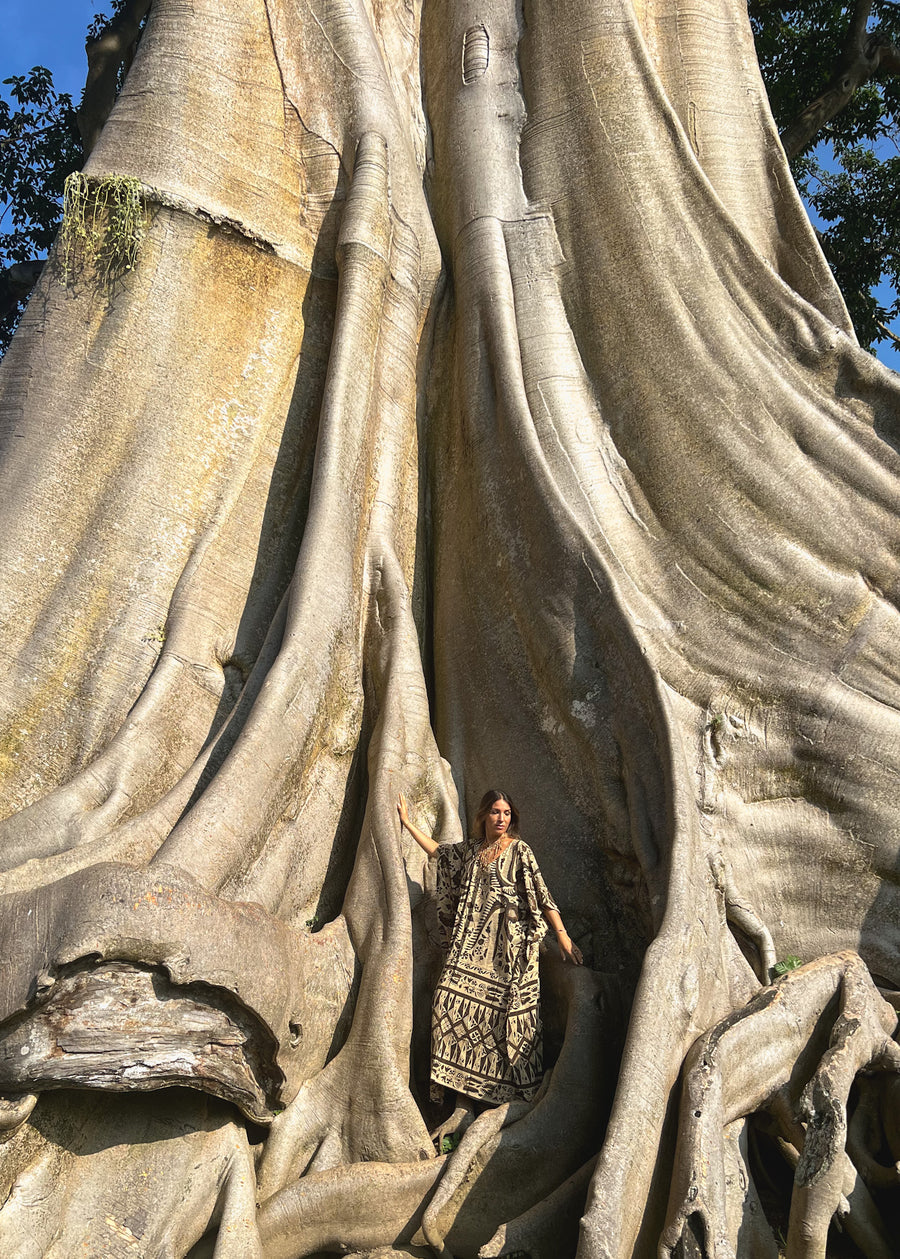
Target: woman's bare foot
447	1137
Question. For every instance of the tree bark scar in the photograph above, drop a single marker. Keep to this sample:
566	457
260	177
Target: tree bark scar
692	127
476	53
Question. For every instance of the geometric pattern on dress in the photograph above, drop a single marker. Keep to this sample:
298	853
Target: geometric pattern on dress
486	1024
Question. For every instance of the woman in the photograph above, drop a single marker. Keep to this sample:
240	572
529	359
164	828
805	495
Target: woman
493	910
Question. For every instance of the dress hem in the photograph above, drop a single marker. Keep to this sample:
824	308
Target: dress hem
482	1090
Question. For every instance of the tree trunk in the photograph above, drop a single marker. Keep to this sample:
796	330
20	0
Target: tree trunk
480	408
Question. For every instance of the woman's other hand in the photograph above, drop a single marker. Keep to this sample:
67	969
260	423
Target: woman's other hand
570	951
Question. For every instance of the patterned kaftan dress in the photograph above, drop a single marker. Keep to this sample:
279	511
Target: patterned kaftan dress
486	1020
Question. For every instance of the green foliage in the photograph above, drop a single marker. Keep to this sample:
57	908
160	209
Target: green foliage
786	964
851	173
449	1143
39	146
104	222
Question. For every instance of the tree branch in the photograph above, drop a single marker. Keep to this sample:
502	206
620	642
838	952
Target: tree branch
887	332
856	32
866	54
106	55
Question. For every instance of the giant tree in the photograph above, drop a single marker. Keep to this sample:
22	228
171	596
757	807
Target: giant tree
421	397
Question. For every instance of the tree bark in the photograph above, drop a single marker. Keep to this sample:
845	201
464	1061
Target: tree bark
480	408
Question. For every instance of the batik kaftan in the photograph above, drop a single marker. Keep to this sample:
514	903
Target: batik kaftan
486	1022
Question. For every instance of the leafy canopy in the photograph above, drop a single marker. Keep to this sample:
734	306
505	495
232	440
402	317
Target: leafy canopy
39	146
850	174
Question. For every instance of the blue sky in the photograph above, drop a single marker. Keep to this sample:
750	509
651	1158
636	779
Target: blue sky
51	33
47	33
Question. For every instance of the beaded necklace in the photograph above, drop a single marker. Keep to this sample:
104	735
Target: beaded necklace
488	854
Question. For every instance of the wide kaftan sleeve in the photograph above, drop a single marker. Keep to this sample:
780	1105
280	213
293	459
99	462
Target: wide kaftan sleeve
536	891
450	860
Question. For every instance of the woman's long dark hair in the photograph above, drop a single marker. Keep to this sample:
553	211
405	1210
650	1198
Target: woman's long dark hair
489	799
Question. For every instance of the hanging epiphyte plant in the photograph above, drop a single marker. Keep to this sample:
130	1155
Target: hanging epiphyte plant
104	222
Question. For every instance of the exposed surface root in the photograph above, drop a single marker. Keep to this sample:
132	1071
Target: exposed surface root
127	1176
875	1126
740	914
794	1050
312	1215
548	1229
460	1170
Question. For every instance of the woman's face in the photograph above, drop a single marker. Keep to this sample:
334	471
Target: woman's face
496	824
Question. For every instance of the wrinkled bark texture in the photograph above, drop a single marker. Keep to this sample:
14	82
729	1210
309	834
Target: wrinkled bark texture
480	410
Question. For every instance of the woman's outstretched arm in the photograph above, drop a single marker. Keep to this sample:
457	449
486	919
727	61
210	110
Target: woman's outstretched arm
424	841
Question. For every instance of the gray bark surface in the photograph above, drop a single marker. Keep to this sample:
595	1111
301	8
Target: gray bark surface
480	408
